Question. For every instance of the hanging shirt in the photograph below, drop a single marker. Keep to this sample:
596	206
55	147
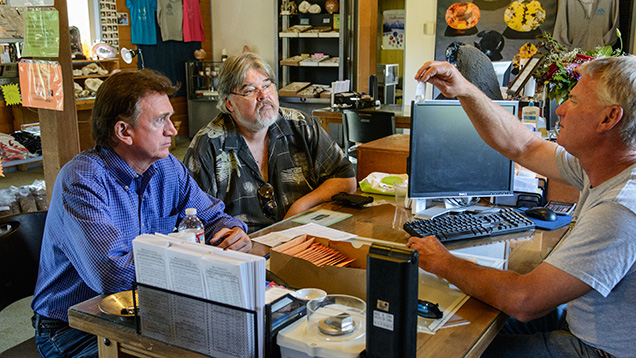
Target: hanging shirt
192	25
585	25
170	19
142	21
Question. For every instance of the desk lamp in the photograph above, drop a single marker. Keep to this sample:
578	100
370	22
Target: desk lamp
127	55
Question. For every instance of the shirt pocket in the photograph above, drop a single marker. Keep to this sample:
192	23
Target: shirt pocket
163	225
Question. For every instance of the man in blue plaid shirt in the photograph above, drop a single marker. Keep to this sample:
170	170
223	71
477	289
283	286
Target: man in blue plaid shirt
128	185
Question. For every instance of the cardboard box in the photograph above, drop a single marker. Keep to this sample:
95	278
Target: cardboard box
300	273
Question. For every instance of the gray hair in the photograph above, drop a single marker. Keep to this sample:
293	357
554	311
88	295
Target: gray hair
616	78
233	73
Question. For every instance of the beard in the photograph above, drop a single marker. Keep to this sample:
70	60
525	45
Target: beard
261	121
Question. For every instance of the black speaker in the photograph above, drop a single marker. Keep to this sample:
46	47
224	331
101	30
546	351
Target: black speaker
373	87
392	283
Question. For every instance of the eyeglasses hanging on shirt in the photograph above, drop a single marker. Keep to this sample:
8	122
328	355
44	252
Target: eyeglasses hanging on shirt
268	203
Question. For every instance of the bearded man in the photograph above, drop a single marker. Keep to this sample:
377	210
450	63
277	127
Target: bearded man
265	162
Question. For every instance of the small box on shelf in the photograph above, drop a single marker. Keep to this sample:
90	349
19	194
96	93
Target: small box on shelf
329	34
293	31
293	61
314	60
292	89
330	62
312	91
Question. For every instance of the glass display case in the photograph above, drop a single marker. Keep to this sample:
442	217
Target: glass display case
201	78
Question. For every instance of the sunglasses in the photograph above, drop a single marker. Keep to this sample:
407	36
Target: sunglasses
266	196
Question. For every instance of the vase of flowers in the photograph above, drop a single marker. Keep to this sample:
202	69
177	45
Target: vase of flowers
558	72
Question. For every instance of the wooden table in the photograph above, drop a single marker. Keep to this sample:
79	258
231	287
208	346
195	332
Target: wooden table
328	116
386	155
118	338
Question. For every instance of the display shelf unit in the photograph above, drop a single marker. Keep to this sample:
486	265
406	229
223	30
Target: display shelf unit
322	33
110	65
201	77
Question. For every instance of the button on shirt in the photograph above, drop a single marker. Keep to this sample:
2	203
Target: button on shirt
99	205
301	156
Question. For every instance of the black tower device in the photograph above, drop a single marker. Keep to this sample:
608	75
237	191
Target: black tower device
373	86
392	283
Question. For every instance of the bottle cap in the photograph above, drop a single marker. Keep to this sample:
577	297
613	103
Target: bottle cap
191	212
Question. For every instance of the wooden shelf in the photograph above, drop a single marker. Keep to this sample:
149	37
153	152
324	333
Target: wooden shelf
109	65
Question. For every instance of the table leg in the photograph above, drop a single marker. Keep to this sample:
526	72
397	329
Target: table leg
107	348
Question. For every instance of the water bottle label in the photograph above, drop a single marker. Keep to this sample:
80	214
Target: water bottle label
200	237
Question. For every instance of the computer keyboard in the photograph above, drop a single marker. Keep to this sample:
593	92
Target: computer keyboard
469	226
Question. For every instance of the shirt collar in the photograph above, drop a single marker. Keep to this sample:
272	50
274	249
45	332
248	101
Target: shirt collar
118	167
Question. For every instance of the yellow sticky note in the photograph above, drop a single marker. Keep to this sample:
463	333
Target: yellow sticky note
11	94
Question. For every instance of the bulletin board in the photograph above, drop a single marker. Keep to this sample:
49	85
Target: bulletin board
491	29
109	22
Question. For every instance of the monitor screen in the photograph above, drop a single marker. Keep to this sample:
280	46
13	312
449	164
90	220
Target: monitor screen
448	159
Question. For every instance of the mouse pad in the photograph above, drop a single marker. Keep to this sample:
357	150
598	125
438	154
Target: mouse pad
562	220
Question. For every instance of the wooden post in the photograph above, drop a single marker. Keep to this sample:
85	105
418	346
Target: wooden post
367	42
60	135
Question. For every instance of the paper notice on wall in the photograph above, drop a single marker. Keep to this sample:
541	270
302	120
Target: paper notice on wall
393	30
41	33
12	24
41	84
22	3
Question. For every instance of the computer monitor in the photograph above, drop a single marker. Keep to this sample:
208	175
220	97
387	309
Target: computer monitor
448	159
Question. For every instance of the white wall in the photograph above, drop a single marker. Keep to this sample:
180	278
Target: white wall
418	47
236	23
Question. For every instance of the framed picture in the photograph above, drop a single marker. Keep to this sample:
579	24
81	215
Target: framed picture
122	18
524	75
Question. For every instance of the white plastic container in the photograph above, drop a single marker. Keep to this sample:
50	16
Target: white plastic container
191	223
420	92
530	114
303	338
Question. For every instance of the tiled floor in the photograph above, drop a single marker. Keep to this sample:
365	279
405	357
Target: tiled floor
15	324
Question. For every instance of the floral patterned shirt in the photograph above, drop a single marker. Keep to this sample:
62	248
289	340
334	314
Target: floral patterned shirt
301	157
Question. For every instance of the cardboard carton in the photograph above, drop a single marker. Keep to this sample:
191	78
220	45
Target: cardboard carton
300	273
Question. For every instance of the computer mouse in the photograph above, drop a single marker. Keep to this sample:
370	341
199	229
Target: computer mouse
541	213
428	309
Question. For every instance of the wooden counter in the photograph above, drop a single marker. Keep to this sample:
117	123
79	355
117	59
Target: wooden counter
402	113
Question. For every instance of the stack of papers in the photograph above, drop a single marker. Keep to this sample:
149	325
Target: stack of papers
274	239
223	276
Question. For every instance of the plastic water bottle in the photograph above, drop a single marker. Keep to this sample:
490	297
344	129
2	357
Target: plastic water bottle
530	116
191	223
420	92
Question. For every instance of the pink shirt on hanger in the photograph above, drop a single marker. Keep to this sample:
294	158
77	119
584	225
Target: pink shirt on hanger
192	25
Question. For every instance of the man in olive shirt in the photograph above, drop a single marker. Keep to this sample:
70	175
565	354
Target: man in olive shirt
265	162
